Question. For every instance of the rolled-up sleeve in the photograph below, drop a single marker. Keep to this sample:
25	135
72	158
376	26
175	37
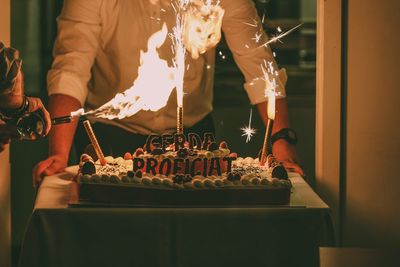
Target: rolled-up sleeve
245	37
75	48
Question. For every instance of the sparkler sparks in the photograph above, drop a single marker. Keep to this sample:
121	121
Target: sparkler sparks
202	26
254	24
248	131
280	35
179	60
222	55
257	37
270	86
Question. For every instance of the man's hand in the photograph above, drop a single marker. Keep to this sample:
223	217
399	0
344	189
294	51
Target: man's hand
287	155
36	104
60	138
52	165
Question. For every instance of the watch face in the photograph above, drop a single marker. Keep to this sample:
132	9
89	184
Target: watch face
291	134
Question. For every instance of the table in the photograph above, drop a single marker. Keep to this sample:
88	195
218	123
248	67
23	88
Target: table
58	235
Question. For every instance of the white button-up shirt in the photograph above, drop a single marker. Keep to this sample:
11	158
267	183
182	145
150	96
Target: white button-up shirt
97	54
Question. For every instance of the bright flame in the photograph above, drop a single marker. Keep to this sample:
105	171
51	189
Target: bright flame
147	92
202	26
179	50
152	94
270	87
271	105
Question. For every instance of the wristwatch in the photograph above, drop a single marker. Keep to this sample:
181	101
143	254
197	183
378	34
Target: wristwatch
10	114
287	134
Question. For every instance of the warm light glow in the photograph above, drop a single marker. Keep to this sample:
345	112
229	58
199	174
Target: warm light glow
147	93
202	26
280	35
78	113
271	105
270	76
197	29
179	60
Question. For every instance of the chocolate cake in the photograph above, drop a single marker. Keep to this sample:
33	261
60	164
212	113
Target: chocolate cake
173	171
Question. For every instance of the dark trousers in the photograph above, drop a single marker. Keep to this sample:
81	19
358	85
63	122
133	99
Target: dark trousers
115	141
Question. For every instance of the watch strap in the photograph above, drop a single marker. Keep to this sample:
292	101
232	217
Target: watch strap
287	134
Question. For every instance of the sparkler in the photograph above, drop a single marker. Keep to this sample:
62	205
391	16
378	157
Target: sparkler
248	131
267	145
179	60
94	142
69	118
197	29
270	89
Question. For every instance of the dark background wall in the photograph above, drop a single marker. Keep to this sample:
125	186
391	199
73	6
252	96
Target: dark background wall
33	32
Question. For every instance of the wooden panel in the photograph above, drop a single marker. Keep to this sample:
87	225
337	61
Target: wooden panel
5	212
328	99
372	213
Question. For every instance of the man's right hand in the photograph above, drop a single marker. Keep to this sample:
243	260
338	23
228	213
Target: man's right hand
51	165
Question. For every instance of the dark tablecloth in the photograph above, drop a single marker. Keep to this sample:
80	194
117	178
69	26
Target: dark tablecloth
58	235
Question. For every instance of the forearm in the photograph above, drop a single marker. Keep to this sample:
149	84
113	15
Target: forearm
11	101
14	99
61	136
281	114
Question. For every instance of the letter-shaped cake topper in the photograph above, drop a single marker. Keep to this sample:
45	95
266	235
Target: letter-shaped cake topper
138	164
194	141
153	140
179	140
167	139
208	138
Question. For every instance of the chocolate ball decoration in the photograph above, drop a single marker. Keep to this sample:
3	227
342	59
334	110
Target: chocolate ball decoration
88	168
187	178
178	179
114	179
139	174
223	144
279	172
213	146
126	179
237	177
233	176
105	178
96	179
183	153
130	174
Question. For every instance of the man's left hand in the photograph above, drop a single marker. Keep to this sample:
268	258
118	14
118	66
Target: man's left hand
287	155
